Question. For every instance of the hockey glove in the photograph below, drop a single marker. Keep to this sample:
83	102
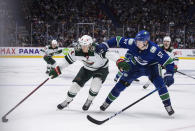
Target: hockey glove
168	79
122	65
51	54
54	72
101	48
175	68
42	50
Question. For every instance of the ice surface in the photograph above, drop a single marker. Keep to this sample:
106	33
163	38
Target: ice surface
18	77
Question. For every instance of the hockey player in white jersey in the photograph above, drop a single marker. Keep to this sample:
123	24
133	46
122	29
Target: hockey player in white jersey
166	46
49	51
95	67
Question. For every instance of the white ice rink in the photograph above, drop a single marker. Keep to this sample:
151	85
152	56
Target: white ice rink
18	77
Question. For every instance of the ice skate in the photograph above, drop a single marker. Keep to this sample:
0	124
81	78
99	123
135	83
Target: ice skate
48	70
169	110
104	106
87	105
63	105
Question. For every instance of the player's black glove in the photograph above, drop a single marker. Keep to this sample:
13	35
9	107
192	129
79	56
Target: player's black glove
54	72
175	68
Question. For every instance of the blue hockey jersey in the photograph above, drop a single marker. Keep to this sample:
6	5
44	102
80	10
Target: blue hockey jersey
152	55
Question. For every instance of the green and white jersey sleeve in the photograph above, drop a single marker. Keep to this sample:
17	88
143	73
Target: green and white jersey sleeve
170	52
91	60
49	50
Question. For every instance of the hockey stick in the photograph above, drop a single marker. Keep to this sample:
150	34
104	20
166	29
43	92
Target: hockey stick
103	121
4	119
185	74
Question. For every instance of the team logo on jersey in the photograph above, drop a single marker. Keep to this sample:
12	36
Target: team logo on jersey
153	49
88	63
160	54
140	60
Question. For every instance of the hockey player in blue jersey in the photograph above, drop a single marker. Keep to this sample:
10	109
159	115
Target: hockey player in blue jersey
143	59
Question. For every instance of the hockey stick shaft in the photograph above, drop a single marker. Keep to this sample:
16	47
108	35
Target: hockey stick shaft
24	99
117	113
186	74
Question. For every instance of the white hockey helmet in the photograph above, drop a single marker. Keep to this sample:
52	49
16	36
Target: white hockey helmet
85	40
54	42
167	38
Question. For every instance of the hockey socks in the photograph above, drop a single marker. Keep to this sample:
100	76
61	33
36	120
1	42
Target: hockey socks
92	95
96	84
111	97
74	89
115	92
164	95
165	99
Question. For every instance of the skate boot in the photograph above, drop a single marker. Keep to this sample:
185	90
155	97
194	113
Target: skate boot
104	106
87	105
169	110
48	70
63	105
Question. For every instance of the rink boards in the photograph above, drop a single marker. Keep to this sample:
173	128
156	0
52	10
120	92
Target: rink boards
34	52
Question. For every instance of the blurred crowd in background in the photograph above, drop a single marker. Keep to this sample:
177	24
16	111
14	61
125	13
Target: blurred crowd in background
37	22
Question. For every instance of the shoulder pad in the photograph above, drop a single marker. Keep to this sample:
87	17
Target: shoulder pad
118	38
153	49
130	42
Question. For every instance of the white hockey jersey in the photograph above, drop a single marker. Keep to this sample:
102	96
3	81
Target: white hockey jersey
51	51
91	60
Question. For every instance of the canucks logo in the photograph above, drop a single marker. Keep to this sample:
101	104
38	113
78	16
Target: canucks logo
140	60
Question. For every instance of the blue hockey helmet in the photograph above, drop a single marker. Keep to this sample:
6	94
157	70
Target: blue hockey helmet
143	35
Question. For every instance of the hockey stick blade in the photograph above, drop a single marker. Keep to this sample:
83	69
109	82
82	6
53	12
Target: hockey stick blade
96	121
4	119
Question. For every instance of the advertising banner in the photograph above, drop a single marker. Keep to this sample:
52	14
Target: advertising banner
34	52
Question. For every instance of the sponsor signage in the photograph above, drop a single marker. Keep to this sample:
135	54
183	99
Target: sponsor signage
35	52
